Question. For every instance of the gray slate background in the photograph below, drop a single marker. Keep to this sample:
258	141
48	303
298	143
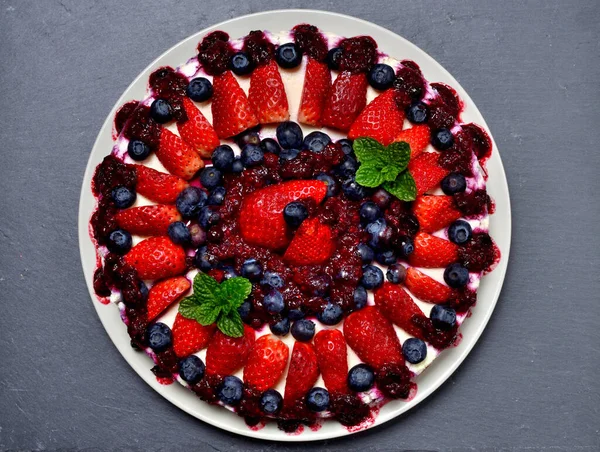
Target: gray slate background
531	384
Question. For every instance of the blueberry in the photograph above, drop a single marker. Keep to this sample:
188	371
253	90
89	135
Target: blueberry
333	58
271	402
190	201
454	183
288	154
230	391
380	234
138	150
228	271
365	252
295	213
119	241
346	146
210	177
372	277
347	168
197	235
456	276
179	233
244	310
288	55
270	145
203	260
303	330
382	198
331	315
237	166
252	155
381	76
317	399
369	212
240	64
442	139
199	89
217	196
332	186
191	369
396	273
360	297
442	317
272	279
143	290
417	112
159	336
361	378
223	157
316	141
273	302
460	232
386	257
123	197
280	328
289	135
249	136
252	270
354	191
404	245
161	111
295	314
208	217
414	350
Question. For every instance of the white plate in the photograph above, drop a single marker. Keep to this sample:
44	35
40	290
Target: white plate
500	222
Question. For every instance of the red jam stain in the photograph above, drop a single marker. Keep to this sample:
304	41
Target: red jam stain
310	41
259	49
316	426
170	85
214	52
143	127
165	380
449	97
358	54
459	158
480	253
409	80
482	144
257	427
474	203
366	423
123	115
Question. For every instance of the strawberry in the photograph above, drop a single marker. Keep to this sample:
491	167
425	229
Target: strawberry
197	131
313	244
157	258
381	119
230	108
159	187
435	212
417	137
267	96
425	288
302	374
432	252
148	220
426	171
226	355
266	362
332	356
189	336
165	293
261	216
373	338
398	306
317	83
347	98
176	156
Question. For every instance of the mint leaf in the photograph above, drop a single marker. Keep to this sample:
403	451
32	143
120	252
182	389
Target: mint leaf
403	187
234	291
398	154
189	307
231	324
369	151
206	289
390	172
368	176
208	314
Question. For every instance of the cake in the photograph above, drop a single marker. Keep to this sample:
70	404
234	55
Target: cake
293	225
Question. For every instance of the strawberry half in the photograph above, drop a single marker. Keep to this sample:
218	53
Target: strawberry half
261	216
432	252
426	171
267	96
332	357
176	156
226	355
381	119
398	306
189	336
317	83
435	212
231	111
157	258
373	338
347	98
148	220
313	244
426	288
266	362
417	137
197	131
164	293
302	374
159	187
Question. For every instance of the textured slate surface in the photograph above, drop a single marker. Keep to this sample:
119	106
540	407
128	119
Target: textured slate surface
530	384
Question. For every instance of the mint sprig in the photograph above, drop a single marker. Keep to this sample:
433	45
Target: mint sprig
217	303
385	166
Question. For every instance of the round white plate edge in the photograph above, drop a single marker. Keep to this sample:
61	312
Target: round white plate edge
500	225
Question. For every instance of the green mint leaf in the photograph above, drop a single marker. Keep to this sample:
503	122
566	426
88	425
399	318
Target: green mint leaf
234	291
206	289
189	307
208	313
403	187
369	176
390	172
369	151
398	154
231	324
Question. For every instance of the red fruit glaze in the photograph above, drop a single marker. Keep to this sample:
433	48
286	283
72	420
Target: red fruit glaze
358	54
170	85
480	253
310	41
258	48
142	127
214	52
123	115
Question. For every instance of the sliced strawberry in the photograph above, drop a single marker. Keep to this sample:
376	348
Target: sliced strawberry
435	212
197	131
313	244
266	362
317	83
176	156
164	293
432	252
417	137
226	355
399	307
148	220
230	108
373	338
381	119
426	171
189	336
347	98
302	374
267	96
157	258
261	216
426	288
332	356
159	187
